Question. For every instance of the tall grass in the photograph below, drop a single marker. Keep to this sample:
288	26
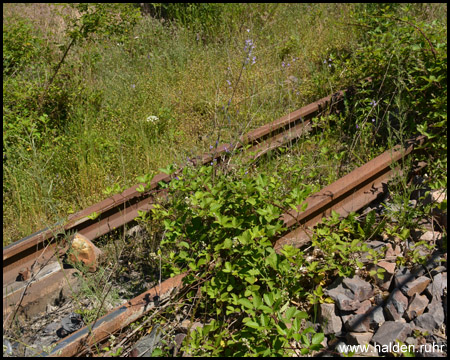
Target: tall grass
165	92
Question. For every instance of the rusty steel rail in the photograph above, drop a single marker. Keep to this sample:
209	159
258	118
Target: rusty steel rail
27	254
350	193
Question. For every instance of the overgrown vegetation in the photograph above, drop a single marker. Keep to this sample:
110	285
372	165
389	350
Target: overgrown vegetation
121	95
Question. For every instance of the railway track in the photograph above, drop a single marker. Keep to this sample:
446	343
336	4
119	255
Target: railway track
42	248
32	267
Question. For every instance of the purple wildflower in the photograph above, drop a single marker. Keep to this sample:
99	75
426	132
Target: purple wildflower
210	146
282	64
373	120
357	126
229	82
133	86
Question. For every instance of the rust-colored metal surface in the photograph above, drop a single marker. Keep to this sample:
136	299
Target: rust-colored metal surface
280	139
350	193
120	209
34	294
116	319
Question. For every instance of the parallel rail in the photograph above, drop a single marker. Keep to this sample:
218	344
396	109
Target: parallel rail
350	193
42	250
27	254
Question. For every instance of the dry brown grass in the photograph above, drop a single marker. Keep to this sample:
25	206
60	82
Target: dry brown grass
50	19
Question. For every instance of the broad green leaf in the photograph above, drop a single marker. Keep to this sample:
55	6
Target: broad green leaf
252	324
317	338
246	303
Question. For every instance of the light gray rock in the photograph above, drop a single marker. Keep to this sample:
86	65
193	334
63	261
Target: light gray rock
416	307
376	317
402	276
433	319
361	289
358	323
331	323
364	307
391	331
336	289
345	303
144	346
436	288
396	305
389	268
416	286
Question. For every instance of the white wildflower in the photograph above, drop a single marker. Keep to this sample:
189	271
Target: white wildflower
152	118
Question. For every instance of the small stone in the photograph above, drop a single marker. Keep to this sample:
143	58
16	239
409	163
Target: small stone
438	195
178	341
411	341
187	324
360	288
346	304
396	305
380	298
430	236
416	286
416	307
358	323
144	346
388	266
376	317
365	305
436	288
385	282
331	323
354	338
82	249
391	331
392	254
336	289
402	276
433	319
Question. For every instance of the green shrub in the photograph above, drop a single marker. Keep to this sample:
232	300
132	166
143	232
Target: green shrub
20	46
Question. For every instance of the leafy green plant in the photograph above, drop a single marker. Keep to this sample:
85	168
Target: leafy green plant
342	243
219	229
20	46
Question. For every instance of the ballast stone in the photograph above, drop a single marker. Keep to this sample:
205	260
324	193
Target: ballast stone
83	250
